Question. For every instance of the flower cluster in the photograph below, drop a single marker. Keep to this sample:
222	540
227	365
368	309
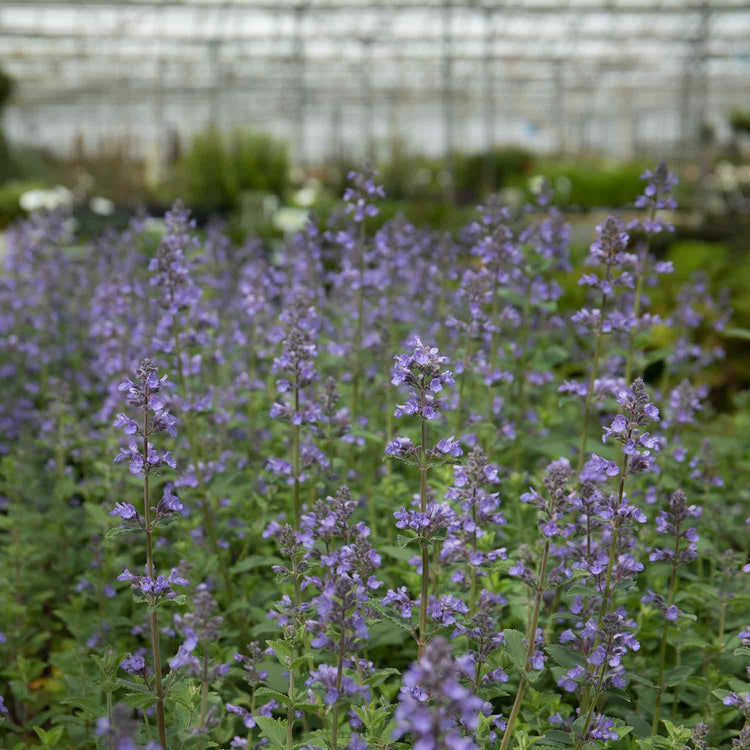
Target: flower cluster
626	429
422	371
433	705
362	193
146	393
657	196
154	587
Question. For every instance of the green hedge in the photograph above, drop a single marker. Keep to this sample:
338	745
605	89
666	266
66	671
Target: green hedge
590	184
217	168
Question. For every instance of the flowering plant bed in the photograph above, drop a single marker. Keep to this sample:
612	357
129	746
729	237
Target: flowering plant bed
369	489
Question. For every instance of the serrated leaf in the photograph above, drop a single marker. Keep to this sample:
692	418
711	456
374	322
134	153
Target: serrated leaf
641	680
274	729
255	561
91	706
514	645
558	736
737	333
284	652
677	675
381	675
563	656
383	612
404	541
618	693
399	553
133	686
139	700
313	708
117	530
264	691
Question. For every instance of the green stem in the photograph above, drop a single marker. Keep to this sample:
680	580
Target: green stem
663	650
473	594
335	714
109	717
462	386
636	312
637	305
195	458
590	390
425	552
155	651
296	461
290	711
204	688
360	322
607	585
531	639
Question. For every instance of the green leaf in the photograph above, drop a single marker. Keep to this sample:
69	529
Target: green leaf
623	731
516	649
89	705
383	612
404	541
255	561
737	333
677	675
117	530
284	652
274	729
399	553
557	736
618	693
263	692
134	686
381	676
563	656
140	700
681	734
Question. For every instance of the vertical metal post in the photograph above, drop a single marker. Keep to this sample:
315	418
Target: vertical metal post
702	75
300	97
337	151
447	96
159	119
368	140
215	118
488	98
558	76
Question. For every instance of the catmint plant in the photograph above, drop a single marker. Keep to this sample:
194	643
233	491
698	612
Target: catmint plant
182	328
551	508
147	393
479	518
609	252
360	198
297	363
434	707
673	523
423	373
657	196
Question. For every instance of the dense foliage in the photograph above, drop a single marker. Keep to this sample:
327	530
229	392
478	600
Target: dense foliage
370	489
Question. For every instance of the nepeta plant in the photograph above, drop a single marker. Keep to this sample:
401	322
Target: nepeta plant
586	600
146	392
433	705
297	360
423	373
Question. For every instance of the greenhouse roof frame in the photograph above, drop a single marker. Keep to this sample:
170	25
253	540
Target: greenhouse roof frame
579	56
